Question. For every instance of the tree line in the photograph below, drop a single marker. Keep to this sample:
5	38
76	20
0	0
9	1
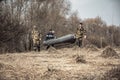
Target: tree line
17	18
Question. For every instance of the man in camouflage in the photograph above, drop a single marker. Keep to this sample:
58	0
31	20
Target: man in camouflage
36	38
80	34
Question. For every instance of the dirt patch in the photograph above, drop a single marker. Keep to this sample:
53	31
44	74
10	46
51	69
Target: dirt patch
91	48
109	52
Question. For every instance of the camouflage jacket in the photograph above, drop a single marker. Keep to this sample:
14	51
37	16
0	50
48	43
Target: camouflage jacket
36	36
80	33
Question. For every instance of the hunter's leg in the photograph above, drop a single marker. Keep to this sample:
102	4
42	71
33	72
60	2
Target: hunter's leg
47	47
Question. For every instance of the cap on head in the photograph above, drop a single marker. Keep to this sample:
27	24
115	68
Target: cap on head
81	23
50	29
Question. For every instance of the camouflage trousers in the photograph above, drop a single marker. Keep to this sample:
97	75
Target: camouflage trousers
36	45
79	42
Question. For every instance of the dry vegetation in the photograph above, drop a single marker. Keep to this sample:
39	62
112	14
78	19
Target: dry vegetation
63	64
109	53
17	18
18	62
91	48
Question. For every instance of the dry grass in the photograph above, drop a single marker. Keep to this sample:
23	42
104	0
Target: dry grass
91	48
113	74
109	52
50	65
79	59
53	50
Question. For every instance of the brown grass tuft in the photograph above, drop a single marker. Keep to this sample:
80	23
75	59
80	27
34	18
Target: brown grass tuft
79	59
91	48
113	74
54	74
52	50
109	53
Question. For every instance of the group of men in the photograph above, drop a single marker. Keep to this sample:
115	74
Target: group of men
37	36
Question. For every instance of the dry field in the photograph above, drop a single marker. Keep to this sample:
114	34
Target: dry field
61	64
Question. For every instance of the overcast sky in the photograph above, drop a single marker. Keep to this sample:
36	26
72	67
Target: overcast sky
108	10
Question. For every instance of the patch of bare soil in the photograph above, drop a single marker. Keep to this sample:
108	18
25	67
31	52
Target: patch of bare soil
109	52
